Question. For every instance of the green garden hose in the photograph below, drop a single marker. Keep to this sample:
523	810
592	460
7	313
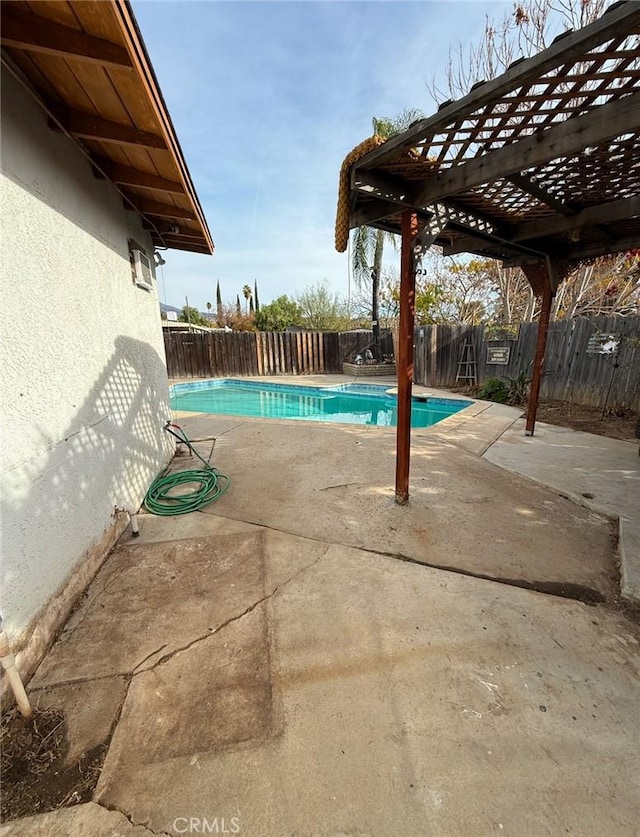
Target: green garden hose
208	481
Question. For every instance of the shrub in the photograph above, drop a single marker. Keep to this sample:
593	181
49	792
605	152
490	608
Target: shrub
514	391
494	389
518	389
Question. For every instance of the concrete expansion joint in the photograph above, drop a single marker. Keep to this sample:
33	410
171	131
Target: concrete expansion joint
130	819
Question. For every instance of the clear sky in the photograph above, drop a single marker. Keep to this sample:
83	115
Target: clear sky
267	98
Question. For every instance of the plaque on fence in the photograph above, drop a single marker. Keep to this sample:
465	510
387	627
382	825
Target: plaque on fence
602	344
498	355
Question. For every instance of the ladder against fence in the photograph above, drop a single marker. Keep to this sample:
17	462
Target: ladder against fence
468	365
573	372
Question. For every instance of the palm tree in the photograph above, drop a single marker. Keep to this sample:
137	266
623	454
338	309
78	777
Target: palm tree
368	243
246	291
209	309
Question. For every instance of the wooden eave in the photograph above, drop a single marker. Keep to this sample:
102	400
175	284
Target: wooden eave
87	65
540	163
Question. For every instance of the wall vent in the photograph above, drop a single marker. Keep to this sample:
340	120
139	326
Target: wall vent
142	274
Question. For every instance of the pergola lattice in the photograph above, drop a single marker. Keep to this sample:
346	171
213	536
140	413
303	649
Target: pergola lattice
539	167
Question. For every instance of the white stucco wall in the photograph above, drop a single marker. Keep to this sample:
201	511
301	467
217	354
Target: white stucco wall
82	370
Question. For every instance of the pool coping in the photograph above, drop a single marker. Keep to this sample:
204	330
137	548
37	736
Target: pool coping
474	407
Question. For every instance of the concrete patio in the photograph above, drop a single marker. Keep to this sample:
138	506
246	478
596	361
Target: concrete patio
306	657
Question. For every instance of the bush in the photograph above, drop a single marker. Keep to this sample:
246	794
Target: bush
518	389
513	391
494	389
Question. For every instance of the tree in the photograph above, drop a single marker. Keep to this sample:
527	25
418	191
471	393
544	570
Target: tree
319	308
235	321
238	308
368	243
278	315
193	316
527	29
209	309
251	308
255	294
219	312
246	292
607	287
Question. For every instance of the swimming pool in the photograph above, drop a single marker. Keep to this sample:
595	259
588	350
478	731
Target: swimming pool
344	403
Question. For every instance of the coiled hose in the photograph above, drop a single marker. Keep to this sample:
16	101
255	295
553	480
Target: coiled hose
210	484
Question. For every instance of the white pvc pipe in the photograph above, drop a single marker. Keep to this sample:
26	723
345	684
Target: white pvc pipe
135	531
13	676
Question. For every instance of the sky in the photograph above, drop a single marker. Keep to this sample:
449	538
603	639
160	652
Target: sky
267	98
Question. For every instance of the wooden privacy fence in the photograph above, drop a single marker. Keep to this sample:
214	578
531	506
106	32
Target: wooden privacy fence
221	354
571	372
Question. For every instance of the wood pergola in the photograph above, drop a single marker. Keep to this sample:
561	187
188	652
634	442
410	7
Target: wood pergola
86	65
539	168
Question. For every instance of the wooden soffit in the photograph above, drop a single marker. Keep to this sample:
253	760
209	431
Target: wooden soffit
87	64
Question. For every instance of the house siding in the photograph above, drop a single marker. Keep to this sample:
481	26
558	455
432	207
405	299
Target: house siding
82	368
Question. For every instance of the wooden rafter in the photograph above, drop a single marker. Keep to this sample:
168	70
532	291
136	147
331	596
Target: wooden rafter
87	126
543	195
580	253
127	176
176	230
181	243
87	67
563	139
160	210
31	33
603	214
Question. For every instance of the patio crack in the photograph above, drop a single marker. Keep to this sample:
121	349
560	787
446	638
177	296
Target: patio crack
560	589
130	819
166	657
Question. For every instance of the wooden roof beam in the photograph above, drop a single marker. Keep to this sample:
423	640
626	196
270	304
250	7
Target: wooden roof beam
158	209
87	126
531	188
397	194
564	139
477	241
375	210
468	244
126	176
163	228
181	244
618	21
391	188
29	32
578	253
605	213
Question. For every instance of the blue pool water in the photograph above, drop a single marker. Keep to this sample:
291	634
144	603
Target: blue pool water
346	403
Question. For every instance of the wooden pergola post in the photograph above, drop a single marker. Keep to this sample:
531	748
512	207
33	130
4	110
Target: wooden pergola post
549	284
405	354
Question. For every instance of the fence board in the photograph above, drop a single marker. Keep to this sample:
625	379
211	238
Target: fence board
570	373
